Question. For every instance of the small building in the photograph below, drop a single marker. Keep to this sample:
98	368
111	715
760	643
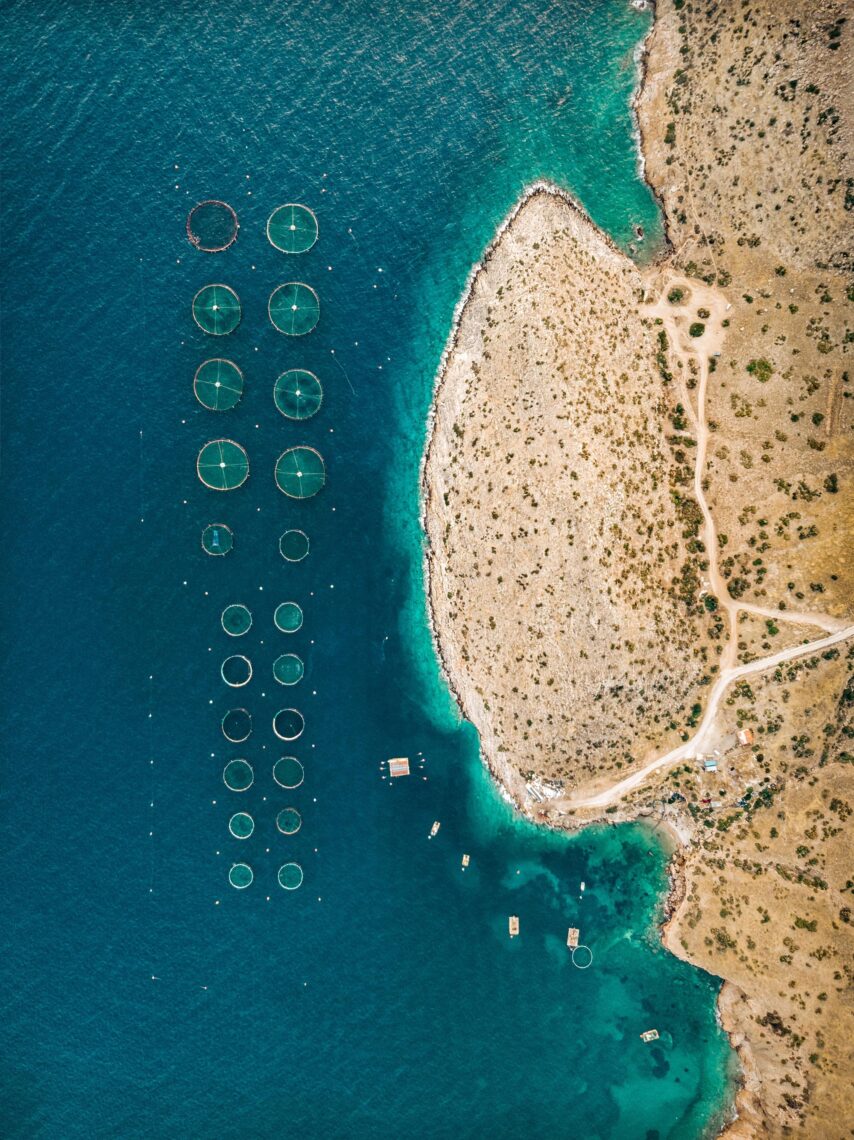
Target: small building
745	737
710	764
513	925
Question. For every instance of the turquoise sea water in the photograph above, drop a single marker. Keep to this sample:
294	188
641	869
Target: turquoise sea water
143	996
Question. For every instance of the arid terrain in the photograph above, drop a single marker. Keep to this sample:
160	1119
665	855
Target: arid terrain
638	507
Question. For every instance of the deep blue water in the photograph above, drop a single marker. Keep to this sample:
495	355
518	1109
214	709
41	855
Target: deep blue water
143	996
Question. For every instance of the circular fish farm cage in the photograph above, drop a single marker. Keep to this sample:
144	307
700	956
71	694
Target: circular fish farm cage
238	775
236	671
217	539
288	772
241	825
288	724
241	876
288	669
218	384
294	308
584	958
300	472
289	821
216	310
288	617
292	228
212	226
237	725
294	545
236	619
290	876
297	394
222	465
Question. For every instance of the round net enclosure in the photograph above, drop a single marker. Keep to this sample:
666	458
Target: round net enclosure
298	394
289	821
212	226
288	617
288	772
288	724
294	308
238	775
293	545
217	538
237	725
241	876
236	671
292	228
290	876
241	825
236	619
222	465
288	669
218	384
216	310
300	472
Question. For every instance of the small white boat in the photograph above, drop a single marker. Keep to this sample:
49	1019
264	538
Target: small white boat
434	828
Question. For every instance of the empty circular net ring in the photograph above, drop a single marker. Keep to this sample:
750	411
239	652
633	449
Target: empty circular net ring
217	539
241	876
584	959
290	876
236	671
300	472
288	669
288	724
241	825
237	775
294	545
212	226
288	617
222	465
294	308
216	310
236	619
237	725
289	821
288	772
218	384
292	228
297	394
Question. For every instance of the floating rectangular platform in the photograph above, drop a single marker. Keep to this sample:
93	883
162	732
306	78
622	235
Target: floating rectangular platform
466	860
513	925
649	1035
572	937
398	766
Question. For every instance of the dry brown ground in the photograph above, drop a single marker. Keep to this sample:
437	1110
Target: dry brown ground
573	595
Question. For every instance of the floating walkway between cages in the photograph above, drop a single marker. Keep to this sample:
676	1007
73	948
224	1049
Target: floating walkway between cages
217	538
218	384
236	619
294	545
292	228
300	472
212	226
288	772
288	617
217	312
298	394
222	465
294	308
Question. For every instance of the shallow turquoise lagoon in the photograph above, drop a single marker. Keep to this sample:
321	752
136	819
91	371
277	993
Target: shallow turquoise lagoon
144	996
